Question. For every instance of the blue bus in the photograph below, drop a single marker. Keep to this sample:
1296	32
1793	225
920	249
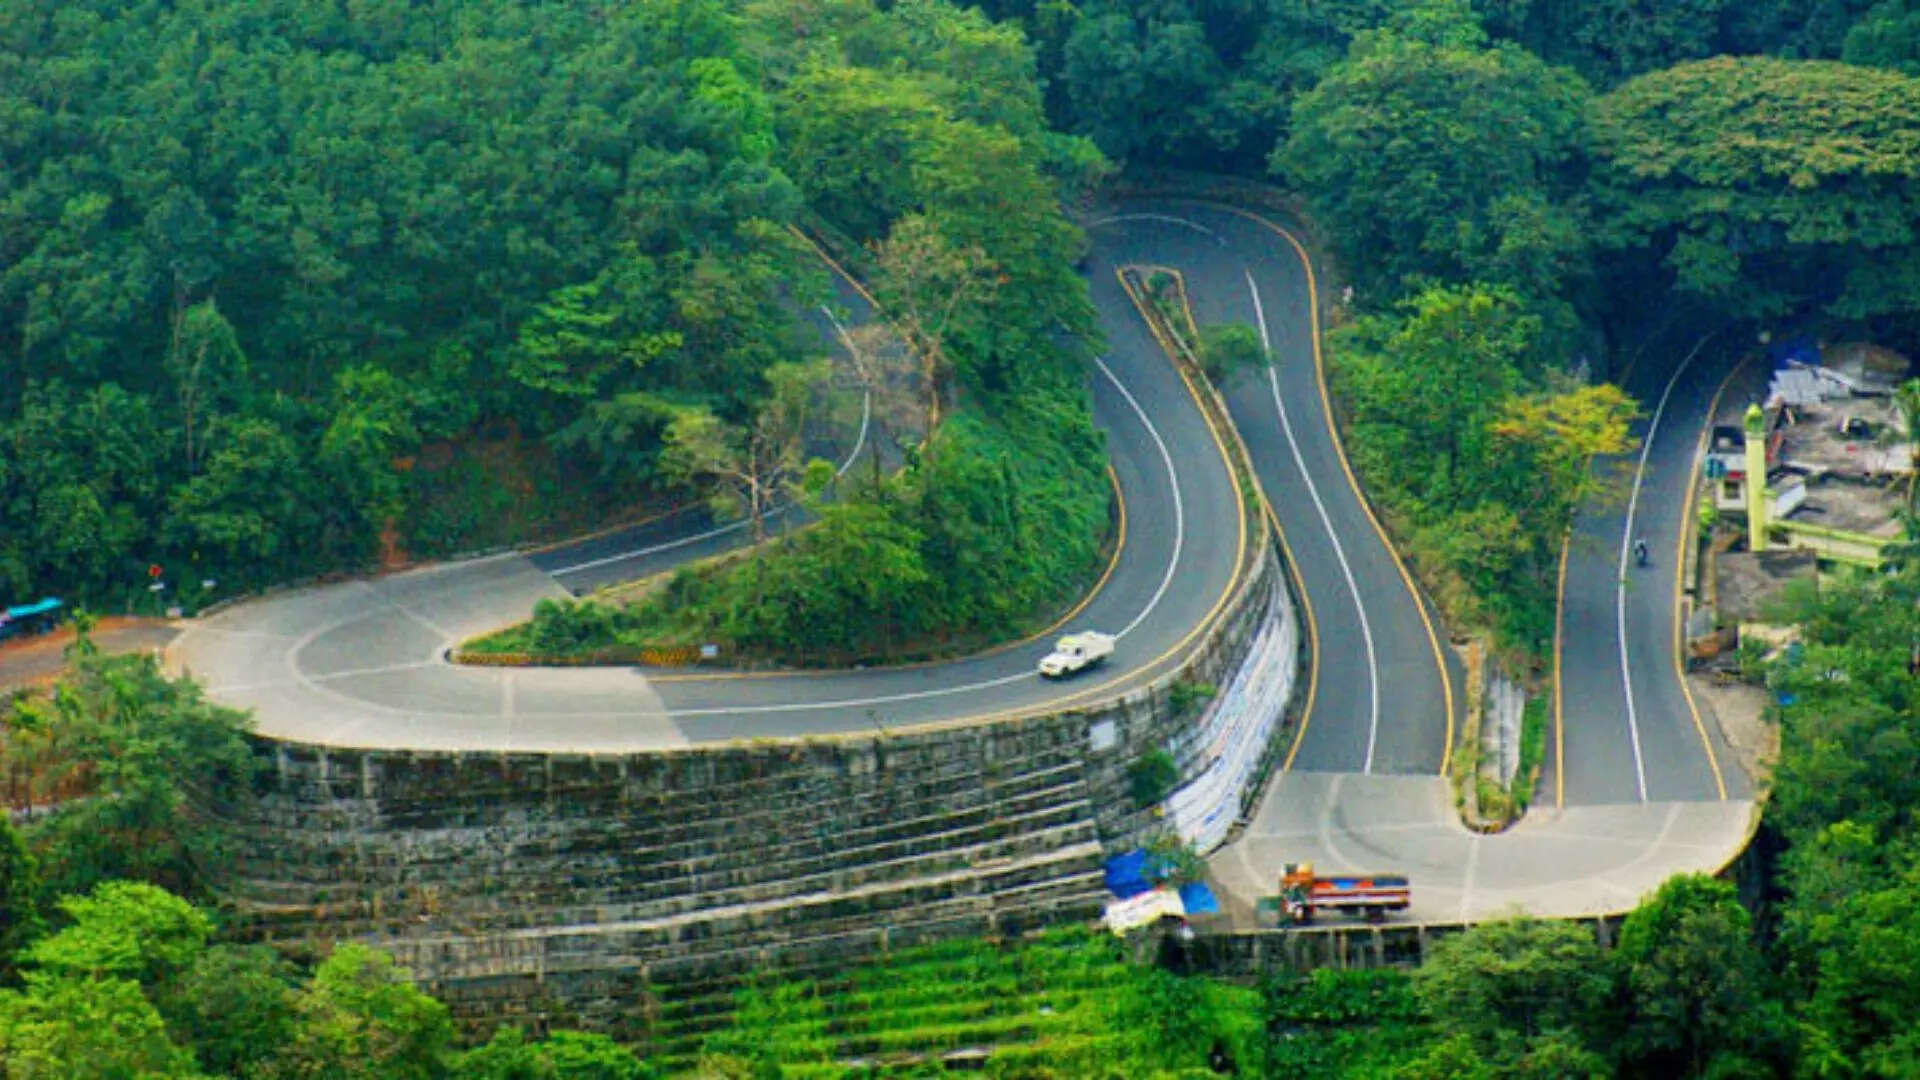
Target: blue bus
37	618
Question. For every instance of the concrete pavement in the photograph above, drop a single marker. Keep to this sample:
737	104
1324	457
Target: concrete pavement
1583	860
1617	837
361	664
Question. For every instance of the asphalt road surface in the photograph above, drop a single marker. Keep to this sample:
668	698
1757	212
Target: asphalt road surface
1627	731
1637	781
362	663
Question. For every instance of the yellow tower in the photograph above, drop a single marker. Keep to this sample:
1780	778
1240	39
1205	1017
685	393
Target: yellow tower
1756	429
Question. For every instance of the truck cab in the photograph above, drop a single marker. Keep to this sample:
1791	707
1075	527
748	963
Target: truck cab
1076	652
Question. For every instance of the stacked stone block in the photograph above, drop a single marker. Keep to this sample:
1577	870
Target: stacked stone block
543	888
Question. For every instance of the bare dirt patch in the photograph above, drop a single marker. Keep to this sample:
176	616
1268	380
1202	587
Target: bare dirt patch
38	659
1740	712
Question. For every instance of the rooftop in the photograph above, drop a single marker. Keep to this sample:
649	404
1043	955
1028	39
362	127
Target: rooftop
1748	582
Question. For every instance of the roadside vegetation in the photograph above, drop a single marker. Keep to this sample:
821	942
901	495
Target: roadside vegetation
290	288
115	960
381	284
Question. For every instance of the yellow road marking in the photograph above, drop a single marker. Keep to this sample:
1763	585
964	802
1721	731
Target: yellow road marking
1313	638
1240	545
1559	730
1687	528
1340	451
1293	570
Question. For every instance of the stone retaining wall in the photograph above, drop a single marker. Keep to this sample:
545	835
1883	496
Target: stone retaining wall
553	887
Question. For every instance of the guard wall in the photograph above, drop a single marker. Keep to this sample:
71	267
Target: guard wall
543	888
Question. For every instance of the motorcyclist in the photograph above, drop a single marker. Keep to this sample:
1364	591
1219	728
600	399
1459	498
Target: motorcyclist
1640	550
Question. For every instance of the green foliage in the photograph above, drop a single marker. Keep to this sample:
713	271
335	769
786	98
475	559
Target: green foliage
1175	860
1183	1020
233	1004
1194	83
20	920
1185	696
81	480
405	227
1533	742
1849	938
362	1017
1354	1023
1846	742
1794	29
1735	175
562	1055
1694	987
1887	36
1064	1003
1151	777
1479	470
988	533
1503	985
71	1028
1229	348
122	749
566	627
123	929
1609	41
1441	158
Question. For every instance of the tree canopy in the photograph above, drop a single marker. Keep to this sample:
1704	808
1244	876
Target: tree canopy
1766	186
1465	149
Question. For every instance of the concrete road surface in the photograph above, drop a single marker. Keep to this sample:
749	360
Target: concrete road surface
362	663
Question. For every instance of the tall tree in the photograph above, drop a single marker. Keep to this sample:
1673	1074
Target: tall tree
751	468
925	284
1887	36
1765	187
233	1004
1439	155
1505	983
1696	1003
123	748
362	1019
209	373
20	920
123	929
69	1028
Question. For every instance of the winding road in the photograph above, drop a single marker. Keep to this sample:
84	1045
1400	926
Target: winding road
1641	787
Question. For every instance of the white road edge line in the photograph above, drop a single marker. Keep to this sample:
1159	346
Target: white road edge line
1339	551
1166	581
860	441
1169	219
1173	563
1626	543
1173	483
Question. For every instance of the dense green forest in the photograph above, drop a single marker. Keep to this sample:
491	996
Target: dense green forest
105	971
287	287
292	287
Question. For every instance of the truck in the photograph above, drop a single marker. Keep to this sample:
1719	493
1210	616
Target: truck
1303	892
1076	652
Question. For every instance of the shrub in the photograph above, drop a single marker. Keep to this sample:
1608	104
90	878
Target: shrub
1151	776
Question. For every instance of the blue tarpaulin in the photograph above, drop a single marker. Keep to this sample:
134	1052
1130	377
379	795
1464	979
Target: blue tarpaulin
1803	350
1127	874
1199	899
